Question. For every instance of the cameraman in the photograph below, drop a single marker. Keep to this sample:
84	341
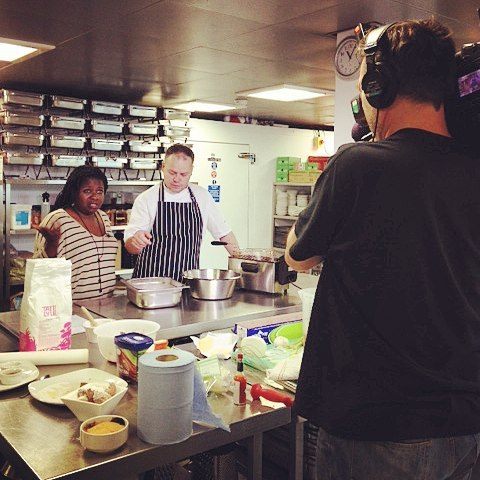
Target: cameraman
391	369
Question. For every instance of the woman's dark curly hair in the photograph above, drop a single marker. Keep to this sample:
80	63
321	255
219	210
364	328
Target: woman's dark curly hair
75	180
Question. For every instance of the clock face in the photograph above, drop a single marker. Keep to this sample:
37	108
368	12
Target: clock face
347	57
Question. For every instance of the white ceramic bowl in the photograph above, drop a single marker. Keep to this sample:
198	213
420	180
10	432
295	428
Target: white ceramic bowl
107	442
83	410
106	334
91	337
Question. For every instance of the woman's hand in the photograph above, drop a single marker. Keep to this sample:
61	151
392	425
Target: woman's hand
52	238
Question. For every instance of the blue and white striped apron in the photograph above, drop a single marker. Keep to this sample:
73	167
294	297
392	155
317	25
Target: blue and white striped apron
176	239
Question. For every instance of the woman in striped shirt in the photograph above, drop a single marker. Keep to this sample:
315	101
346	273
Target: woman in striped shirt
79	231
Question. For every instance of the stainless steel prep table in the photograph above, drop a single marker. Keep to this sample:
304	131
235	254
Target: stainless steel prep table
192	317
41	440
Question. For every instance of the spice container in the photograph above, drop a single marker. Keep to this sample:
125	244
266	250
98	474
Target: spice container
130	347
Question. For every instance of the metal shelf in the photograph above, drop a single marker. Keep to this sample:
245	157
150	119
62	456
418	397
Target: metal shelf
30	231
287	184
285	217
278	249
118	227
113	183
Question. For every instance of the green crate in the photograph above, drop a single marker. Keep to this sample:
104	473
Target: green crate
281	177
288	160
283	170
311	167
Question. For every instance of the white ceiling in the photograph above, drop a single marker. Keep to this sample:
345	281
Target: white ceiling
157	52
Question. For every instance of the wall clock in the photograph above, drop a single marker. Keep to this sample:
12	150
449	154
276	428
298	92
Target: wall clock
347	58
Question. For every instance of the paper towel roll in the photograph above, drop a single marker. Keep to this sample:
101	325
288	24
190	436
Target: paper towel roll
48	357
165	396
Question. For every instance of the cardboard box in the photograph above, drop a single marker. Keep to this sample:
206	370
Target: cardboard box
303	177
311	167
281	178
263	326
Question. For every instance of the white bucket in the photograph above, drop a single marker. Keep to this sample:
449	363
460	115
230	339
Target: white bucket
307	295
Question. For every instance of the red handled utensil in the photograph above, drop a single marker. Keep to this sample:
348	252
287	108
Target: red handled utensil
257	391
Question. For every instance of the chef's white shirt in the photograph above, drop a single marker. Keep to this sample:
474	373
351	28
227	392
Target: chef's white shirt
145	206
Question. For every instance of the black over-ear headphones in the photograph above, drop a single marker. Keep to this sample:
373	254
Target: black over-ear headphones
379	83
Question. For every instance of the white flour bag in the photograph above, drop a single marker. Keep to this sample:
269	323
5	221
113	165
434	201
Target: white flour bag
46	310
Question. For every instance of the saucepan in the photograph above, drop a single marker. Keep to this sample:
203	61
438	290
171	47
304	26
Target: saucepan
211	283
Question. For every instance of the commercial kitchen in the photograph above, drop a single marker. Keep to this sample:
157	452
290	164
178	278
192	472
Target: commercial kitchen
113	84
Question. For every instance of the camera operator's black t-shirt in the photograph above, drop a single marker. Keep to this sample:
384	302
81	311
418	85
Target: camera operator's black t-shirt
393	348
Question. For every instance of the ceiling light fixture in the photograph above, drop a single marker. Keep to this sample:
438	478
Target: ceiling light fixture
285	93
201	106
14	50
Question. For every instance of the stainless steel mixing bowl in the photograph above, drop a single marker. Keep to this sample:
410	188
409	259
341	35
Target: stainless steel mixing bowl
211	283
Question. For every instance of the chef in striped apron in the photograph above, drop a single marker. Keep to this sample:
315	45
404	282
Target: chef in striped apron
168	221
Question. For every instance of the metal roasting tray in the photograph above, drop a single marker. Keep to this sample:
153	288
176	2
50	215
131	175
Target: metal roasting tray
142	111
68	102
70	123
154	292
143	163
112	145
67	141
173	131
21	98
20	158
143	128
31	139
107	107
172	114
107	126
29	119
144	145
68	160
108	162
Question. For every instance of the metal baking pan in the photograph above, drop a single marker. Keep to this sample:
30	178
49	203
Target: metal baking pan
107	107
143	163
20	158
68	160
67	141
172	131
21	98
107	126
142	111
143	128
144	145
112	145
30	119
31	139
154	292
172	114
70	123
68	102
109	162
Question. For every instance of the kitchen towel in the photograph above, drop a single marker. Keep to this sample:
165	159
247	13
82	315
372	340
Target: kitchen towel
48	357
171	395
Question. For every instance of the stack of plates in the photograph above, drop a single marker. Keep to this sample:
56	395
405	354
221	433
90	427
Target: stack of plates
292	197
302	200
281	205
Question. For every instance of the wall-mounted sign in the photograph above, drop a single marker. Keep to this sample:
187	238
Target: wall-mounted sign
214	191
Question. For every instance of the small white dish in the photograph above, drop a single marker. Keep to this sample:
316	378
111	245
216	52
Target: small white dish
107	442
51	390
84	410
91	337
8	381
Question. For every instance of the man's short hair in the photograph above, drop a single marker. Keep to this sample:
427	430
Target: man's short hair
421	54
179	148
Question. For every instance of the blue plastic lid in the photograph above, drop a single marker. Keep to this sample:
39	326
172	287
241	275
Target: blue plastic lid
133	341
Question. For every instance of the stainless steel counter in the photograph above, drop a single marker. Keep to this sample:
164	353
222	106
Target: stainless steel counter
192	317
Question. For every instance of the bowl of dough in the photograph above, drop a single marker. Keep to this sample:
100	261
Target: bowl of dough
104	433
96	398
